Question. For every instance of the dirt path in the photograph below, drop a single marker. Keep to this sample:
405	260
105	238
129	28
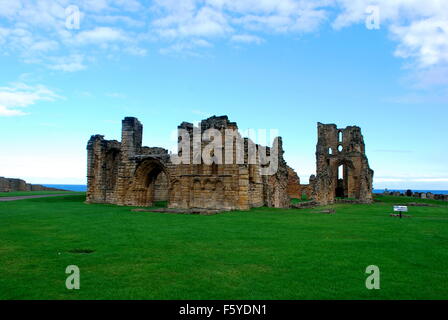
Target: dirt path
3	199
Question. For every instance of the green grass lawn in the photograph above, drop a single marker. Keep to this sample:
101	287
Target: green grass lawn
260	254
33	193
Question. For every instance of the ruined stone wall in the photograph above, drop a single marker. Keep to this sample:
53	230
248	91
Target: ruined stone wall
294	187
128	174
306	191
276	185
209	186
161	188
341	147
229	186
11	185
103	159
4	185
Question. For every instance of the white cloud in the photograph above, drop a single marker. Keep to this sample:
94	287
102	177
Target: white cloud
136	51
187	47
420	29
6	112
221	17
19	95
100	35
111	19
189	21
425	40
178	20
35	28
71	63
246	38
9	8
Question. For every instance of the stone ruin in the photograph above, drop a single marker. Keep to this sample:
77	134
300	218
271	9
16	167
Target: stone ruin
127	173
342	167
296	190
12	185
294	187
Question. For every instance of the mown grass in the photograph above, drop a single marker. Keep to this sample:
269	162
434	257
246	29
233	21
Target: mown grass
34	193
259	254
297	200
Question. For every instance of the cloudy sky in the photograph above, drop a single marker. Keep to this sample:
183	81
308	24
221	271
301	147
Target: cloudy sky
70	69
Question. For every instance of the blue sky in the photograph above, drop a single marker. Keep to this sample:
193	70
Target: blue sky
284	64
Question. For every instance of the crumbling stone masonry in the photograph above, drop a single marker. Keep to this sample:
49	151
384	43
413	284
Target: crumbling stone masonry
12	184
306	191
342	166
126	173
296	190
294	187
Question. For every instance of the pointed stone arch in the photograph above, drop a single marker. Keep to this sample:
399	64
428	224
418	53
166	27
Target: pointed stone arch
343	176
144	183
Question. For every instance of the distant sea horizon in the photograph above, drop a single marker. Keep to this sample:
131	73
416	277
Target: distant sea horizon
68	187
83	188
413	190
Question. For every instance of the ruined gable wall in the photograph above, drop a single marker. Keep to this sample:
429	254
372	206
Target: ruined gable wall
345	147
294	187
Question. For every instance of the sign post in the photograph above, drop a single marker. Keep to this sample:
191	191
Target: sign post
400	209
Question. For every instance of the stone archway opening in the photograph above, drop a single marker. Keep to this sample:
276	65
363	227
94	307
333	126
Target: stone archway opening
157	185
151	186
344	170
341	191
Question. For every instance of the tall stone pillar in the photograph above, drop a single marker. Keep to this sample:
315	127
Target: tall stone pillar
131	144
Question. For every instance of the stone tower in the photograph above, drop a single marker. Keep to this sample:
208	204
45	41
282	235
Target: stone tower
342	166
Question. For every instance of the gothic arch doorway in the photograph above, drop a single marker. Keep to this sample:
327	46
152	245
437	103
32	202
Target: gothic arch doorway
342	173
151	183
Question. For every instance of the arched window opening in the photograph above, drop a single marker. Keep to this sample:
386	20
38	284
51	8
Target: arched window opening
340	182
